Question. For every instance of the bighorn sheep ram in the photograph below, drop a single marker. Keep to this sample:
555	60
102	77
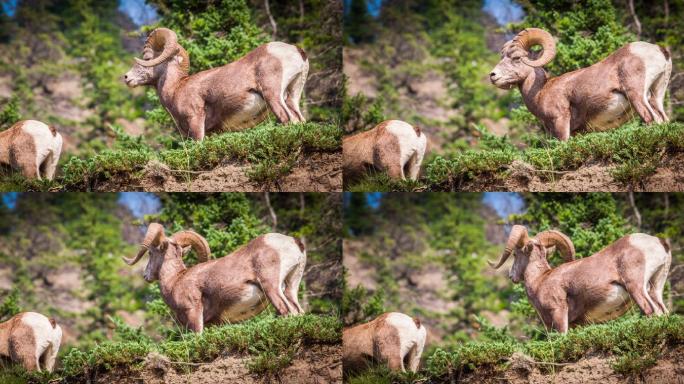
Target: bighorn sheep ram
226	290
595	98
32	340
593	289
228	98
31	147
392	146
393	338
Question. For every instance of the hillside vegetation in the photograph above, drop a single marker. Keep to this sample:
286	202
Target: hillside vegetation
60	255
634	156
484	138
425	254
118	138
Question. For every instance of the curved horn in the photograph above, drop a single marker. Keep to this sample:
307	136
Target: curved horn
532	36
197	242
153	237
516	239
562	242
161	38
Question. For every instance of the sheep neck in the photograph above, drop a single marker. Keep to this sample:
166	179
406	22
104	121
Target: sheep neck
168	274
168	84
536	269
531	89
4	338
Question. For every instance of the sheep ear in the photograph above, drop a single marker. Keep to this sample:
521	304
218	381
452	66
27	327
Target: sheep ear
179	59
163	245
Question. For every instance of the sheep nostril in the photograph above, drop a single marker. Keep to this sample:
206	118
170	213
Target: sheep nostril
492	74
126	77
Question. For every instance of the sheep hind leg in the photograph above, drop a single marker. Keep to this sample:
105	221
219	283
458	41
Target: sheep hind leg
414	165
636	93
638	292
276	296
413	357
275	101
294	94
292	282
658	90
656	288
50	357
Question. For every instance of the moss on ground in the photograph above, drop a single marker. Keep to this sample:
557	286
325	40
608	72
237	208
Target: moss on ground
634	151
270	149
270	342
633	342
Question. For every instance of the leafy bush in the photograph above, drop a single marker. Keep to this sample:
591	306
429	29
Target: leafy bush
271	342
270	148
635	150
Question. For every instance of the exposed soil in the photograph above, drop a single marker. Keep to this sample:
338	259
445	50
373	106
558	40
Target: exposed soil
317	364
318	172
596	177
594	369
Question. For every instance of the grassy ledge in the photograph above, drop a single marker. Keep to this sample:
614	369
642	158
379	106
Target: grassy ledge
270	149
634	343
270	342
634	150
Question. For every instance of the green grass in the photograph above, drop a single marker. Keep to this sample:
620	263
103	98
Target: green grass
270	342
634	343
634	150
270	149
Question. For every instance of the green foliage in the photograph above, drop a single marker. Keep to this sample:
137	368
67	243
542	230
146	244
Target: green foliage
226	220
10	113
634	342
10	305
270	341
635	150
270	148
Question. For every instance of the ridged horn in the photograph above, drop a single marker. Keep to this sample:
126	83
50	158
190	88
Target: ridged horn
532	36
153	237
162	39
516	239
196	241
560	241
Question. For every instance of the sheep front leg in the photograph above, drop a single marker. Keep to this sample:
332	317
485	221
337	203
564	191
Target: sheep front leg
560	128
559	319
195	128
194	320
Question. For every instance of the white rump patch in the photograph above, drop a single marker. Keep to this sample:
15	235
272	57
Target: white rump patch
287	248
409	141
43	332
410	336
45	143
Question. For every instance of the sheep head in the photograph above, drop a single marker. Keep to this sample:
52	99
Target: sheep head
518	61
161	48
525	249
163	248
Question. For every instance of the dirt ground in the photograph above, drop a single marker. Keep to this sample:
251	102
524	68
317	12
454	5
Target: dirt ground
318	172
318	364
591	178
595	369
